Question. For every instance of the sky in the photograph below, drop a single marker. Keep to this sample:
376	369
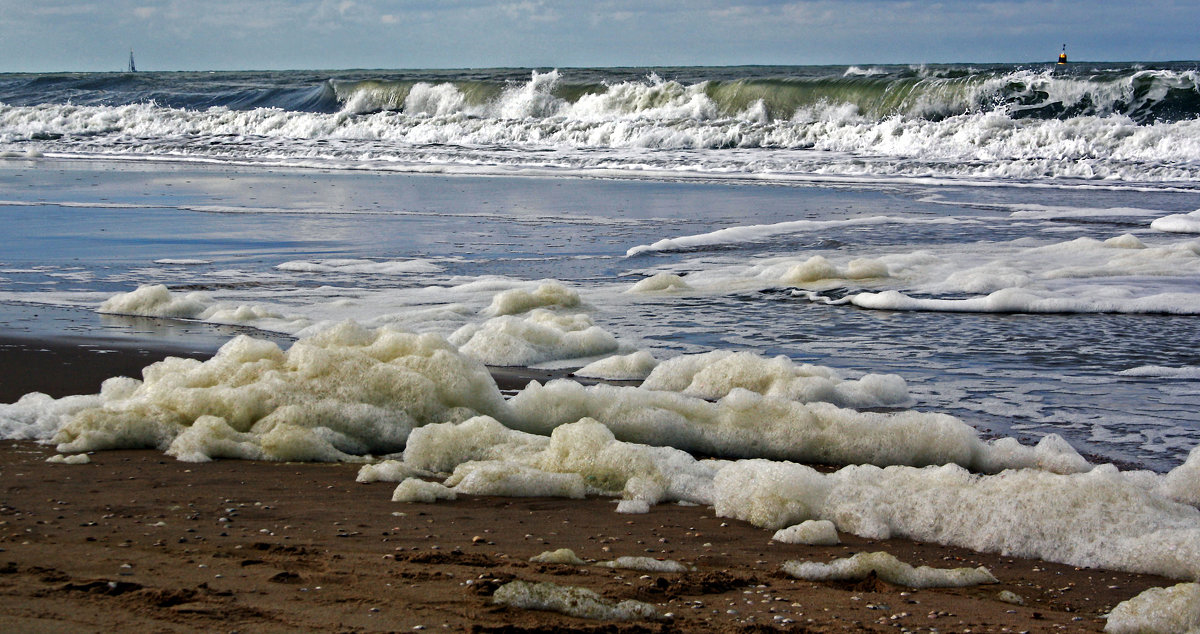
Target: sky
96	35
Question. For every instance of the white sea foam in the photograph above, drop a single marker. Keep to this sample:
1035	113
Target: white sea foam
570	600
646	564
438	126
811	532
1187	372
1178	223
155	300
422	491
538	337
889	569
1097	519
660	283
183	261
1158	611
349	391
549	294
713	375
746	424
1013	300
389	471
754	233
353	266
629	367
564	556
1101	518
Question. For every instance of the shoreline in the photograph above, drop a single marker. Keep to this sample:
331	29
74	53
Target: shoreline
137	540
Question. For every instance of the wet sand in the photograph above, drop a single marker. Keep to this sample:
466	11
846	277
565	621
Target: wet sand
135	540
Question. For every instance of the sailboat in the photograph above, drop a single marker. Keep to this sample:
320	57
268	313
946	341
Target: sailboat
132	67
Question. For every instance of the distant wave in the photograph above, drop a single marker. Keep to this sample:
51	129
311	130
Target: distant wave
1007	122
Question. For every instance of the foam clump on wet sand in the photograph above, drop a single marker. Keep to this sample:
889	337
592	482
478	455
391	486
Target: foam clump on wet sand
572	601
1097	519
418	490
645	564
540	336
811	532
564	556
1182	483
628	367
578	458
889	569
514	480
744	423
712	375
78	458
388	471
345	392
38	416
1158	611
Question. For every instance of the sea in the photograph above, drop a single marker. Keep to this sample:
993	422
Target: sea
1020	244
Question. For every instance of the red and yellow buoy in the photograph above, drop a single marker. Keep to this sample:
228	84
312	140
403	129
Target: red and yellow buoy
1062	57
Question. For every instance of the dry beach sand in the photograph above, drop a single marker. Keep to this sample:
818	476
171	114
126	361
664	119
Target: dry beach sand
135	540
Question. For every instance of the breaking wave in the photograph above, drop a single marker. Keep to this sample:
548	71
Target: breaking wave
1004	122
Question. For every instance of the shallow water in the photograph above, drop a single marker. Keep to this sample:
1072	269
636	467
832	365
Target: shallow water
422	252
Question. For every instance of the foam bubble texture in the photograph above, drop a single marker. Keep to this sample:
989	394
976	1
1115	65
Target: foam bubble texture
811	532
889	569
660	283
712	375
629	367
1096	519
518	300
645	564
570	600
747	424
422	491
348	391
539	337
1158	611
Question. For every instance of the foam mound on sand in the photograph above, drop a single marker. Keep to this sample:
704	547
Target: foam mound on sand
1158	611
515	480
628	367
713	375
645	564
888	568
811	532
578	458
570	600
540	336
1096	519
348	391
417	490
388	471
564	556
747	424
1101	518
